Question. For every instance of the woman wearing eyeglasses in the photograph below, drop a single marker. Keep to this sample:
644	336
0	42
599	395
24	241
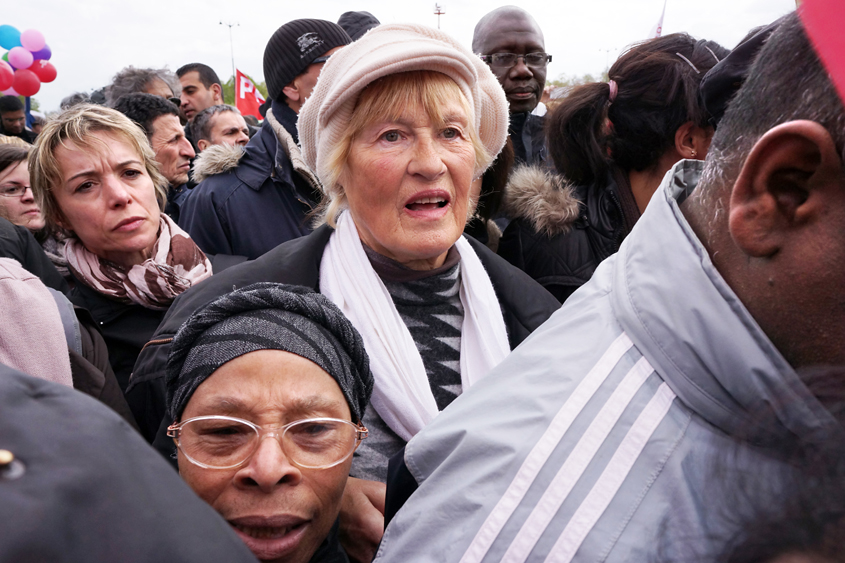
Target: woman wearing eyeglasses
18	205
612	143
267	388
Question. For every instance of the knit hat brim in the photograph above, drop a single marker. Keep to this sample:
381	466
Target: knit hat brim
391	49
268	316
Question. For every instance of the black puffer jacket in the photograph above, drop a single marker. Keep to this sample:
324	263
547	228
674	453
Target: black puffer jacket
560	233
525	306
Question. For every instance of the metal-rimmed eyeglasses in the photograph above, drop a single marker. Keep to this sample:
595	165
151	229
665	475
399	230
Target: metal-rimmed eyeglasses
226	442
507	60
13	190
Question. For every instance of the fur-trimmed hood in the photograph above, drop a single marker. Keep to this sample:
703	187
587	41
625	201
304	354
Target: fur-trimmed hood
545	199
216	159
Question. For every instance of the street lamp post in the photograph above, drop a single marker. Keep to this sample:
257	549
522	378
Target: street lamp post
232	47
438	10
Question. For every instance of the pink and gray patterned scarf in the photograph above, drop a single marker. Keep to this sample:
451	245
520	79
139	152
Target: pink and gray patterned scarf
176	264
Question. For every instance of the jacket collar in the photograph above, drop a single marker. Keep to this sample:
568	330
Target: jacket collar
101	308
253	169
288	119
695	331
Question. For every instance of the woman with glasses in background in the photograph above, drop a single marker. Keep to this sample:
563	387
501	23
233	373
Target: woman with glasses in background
266	388
18	205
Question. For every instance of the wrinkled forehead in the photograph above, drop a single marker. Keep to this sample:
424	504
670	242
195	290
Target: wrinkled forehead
166	125
407	95
72	152
226	119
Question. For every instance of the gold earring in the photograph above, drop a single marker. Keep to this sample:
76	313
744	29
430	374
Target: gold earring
692	154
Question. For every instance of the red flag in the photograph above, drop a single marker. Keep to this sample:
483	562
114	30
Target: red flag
823	20
247	96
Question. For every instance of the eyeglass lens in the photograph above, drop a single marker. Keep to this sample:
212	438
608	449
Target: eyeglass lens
507	60
309	443
13	190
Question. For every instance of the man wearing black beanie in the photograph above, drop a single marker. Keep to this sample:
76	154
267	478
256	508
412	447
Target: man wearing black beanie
250	201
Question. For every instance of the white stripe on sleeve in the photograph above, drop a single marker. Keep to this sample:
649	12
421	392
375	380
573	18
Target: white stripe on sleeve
612	477
544	447
576	463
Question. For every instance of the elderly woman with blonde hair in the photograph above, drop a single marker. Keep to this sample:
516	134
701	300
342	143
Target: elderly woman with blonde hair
398	127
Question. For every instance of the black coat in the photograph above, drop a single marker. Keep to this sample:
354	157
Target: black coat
127	327
525	306
558	233
248	201
84	487
528	134
18	243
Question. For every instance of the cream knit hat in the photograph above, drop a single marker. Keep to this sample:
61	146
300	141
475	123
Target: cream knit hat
389	49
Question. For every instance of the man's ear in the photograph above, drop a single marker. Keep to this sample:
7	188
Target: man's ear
291	91
217	92
203	144
784	184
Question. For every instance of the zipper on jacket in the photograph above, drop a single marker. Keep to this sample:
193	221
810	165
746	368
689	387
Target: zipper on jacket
157	341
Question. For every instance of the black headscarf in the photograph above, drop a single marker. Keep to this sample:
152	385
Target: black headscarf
268	316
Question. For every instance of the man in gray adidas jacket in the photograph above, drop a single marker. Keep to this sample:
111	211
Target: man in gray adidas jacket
594	440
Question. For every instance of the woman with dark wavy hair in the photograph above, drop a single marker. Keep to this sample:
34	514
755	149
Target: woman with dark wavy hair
611	143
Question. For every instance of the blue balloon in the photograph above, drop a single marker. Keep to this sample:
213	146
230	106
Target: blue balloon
9	37
44	54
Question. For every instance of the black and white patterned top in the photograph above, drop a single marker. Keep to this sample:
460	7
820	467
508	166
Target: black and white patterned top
429	303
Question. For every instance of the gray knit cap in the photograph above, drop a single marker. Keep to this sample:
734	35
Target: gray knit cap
356	24
294	46
268	316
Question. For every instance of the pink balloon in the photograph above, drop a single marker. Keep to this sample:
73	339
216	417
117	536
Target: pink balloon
20	58
10	92
33	40
7	75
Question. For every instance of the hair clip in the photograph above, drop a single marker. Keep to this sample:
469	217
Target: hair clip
712	53
689	62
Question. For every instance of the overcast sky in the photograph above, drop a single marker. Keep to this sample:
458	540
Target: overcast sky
92	39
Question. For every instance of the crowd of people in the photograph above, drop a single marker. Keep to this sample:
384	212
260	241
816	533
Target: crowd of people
416	313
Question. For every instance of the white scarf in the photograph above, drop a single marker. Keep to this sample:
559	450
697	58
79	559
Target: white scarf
402	394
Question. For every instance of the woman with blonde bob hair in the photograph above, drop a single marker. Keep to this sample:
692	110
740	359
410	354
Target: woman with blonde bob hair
399	125
97	182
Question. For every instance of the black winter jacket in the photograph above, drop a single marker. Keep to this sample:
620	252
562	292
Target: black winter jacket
525	306
559	233
127	328
248	201
528	134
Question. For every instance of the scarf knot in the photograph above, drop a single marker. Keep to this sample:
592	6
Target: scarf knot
175	265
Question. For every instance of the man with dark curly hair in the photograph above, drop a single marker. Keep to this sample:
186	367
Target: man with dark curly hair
159	118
